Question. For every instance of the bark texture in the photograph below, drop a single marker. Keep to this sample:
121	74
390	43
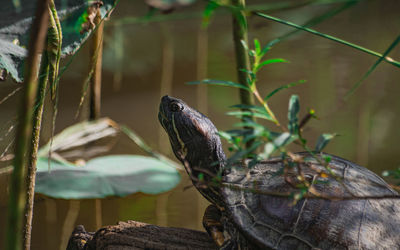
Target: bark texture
138	235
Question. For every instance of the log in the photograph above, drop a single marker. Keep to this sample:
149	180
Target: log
138	235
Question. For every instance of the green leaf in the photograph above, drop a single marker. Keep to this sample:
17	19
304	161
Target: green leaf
80	134
269	61
251	107
240	114
250	73
253	128
283	87
323	140
250	124
313	21
117	175
391	47
208	11
265	49
332	38
257	47
327	159
392	173
200	177
243	153
284	139
236	132
280	141
385	173
220	82
269	149
142	144
225	135
293	114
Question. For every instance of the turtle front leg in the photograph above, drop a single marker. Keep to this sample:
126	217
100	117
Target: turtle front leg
213	225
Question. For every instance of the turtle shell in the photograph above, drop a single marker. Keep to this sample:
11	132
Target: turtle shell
275	222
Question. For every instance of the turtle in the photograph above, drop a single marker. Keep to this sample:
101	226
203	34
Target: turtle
350	208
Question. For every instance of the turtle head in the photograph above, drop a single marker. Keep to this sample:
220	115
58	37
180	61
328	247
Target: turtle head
193	136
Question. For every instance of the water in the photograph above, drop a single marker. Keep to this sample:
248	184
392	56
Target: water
167	53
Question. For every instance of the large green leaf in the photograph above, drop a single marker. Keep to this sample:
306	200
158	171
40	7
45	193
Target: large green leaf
15	30
116	175
80	134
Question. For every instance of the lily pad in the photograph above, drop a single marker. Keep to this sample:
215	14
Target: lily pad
116	175
15	29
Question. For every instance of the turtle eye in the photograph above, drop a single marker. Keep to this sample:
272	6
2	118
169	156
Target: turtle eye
175	107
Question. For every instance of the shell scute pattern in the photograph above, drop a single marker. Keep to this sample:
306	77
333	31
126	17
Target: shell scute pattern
267	232
246	220
314	223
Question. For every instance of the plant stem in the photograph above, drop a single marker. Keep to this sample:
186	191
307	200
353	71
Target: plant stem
95	66
95	88
242	57
264	103
48	73
17	200
31	176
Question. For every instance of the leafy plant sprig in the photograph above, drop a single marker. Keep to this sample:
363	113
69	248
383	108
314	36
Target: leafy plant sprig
259	132
257	55
261	135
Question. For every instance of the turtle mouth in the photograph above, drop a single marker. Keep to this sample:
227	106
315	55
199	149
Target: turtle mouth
163	118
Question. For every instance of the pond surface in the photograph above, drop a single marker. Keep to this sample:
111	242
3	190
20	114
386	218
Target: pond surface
143	62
